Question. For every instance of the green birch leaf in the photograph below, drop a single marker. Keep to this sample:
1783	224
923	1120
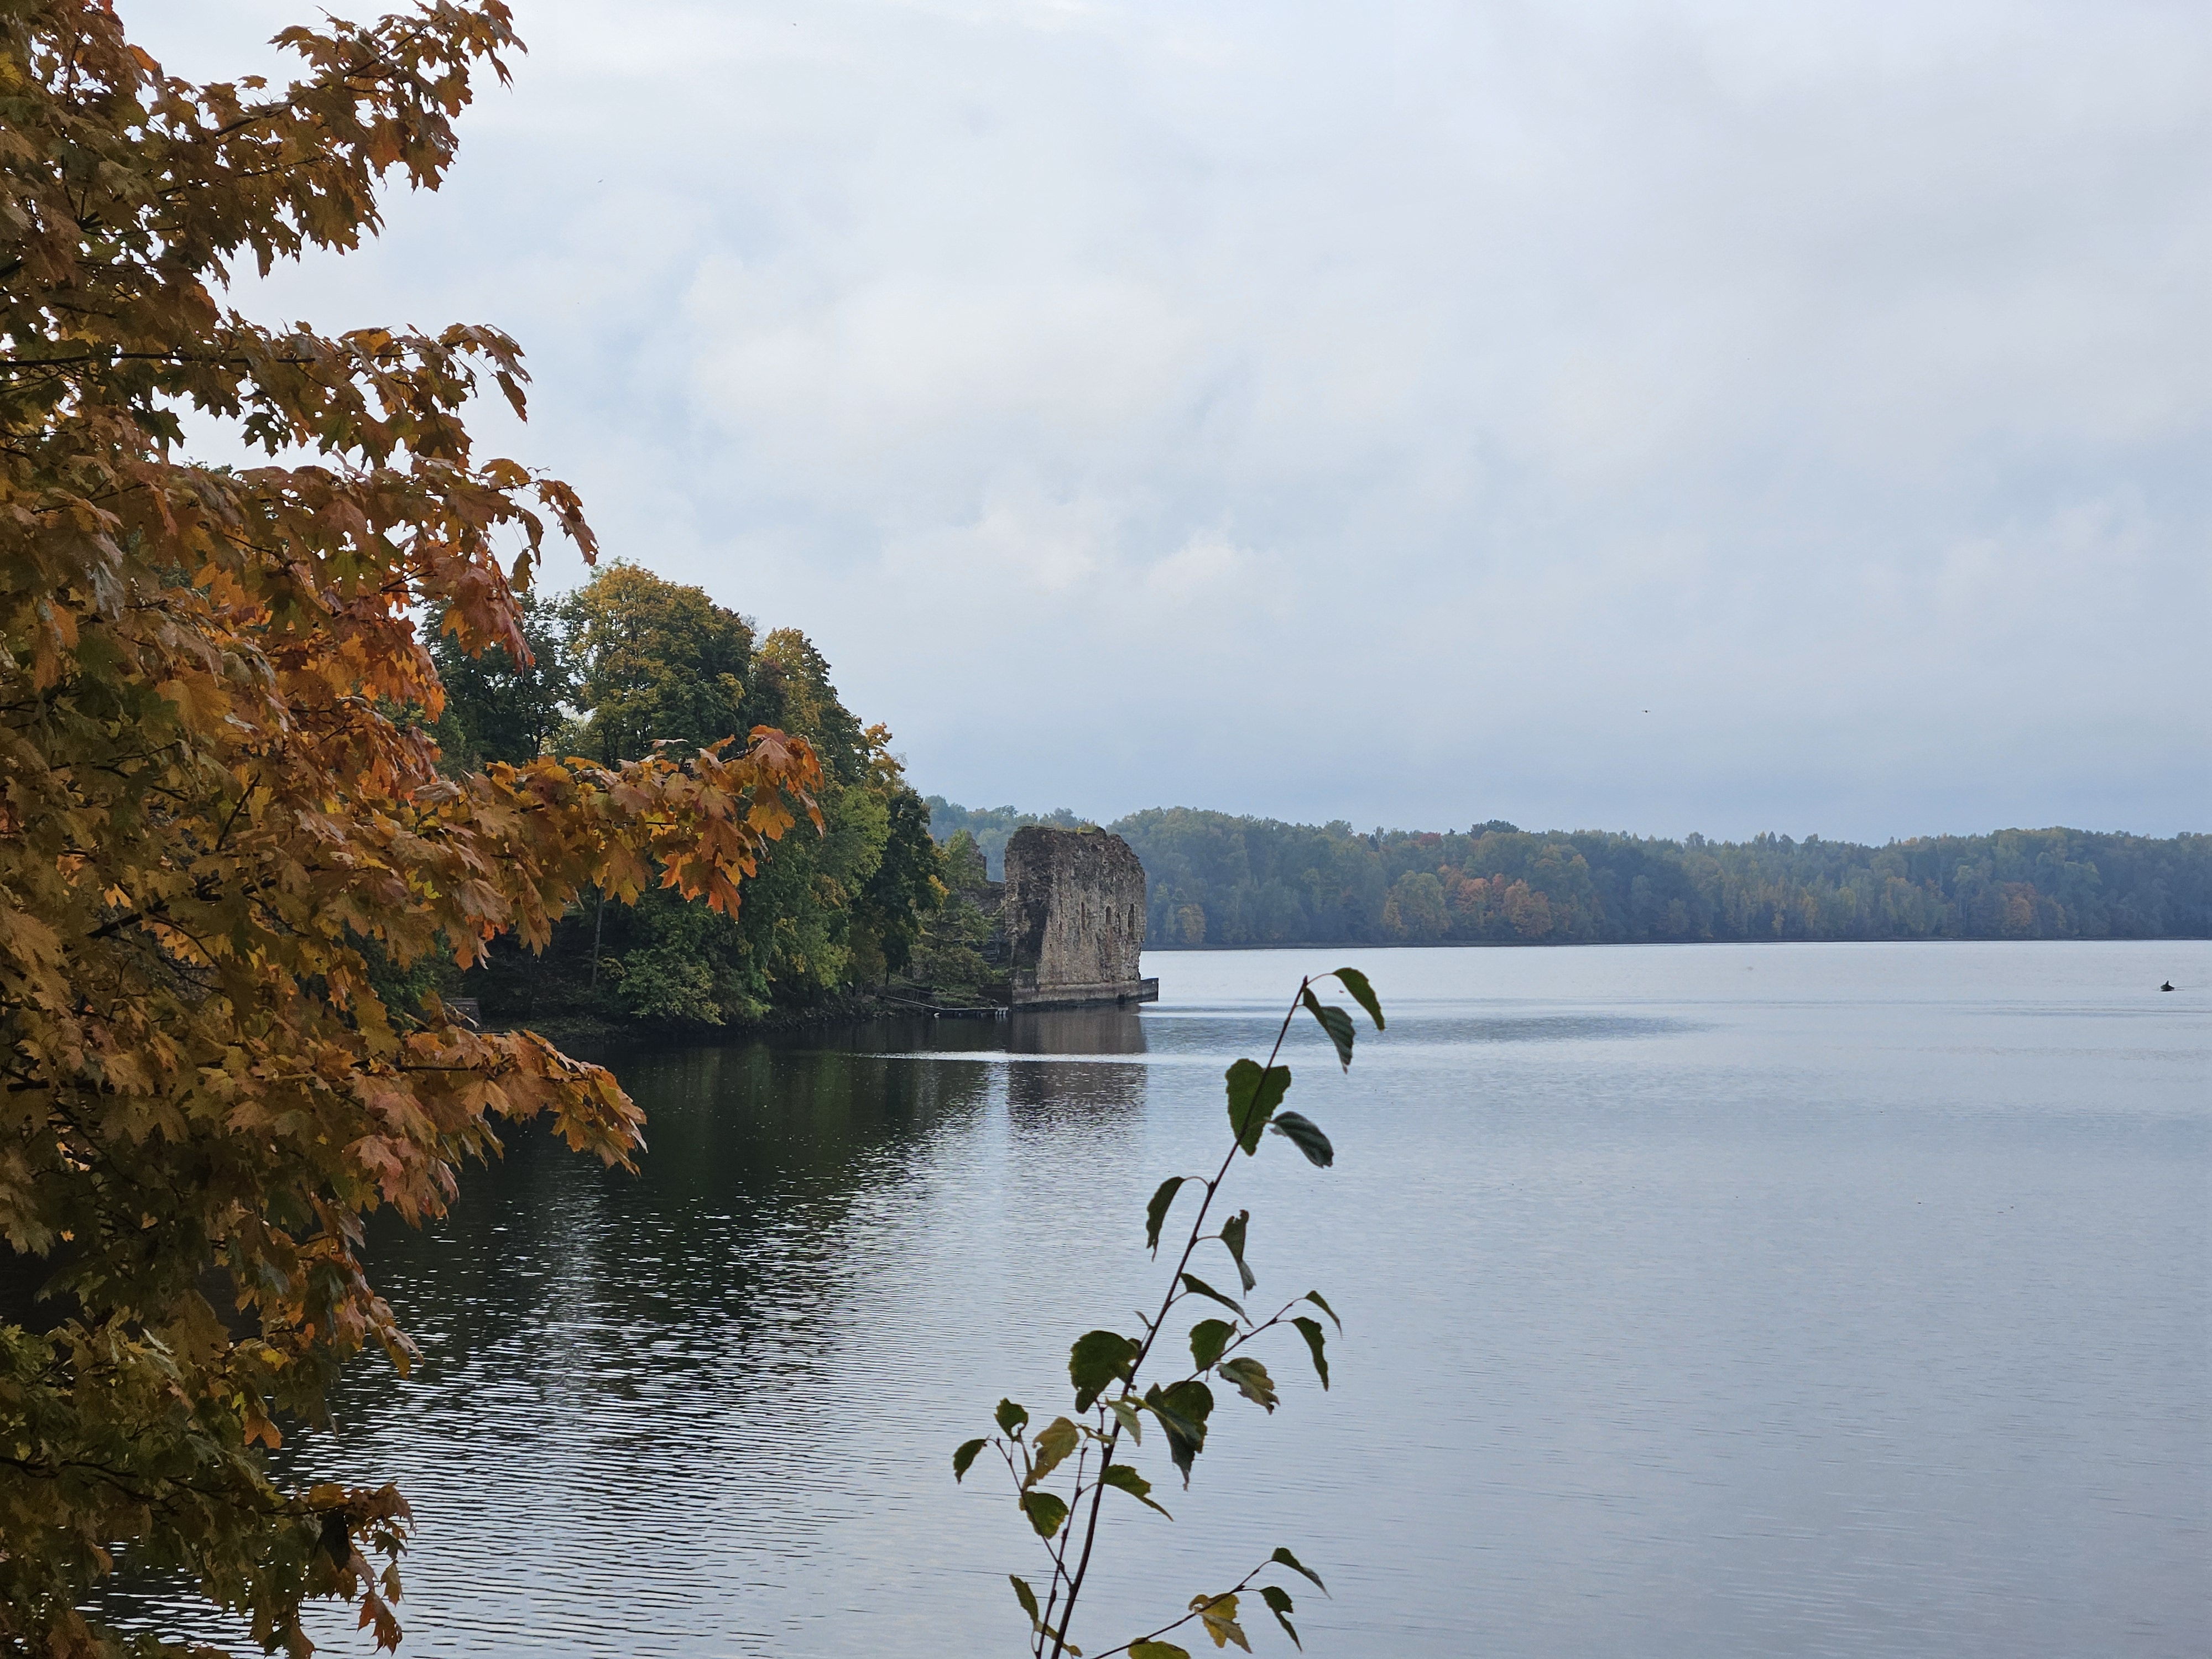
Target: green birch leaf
1284	1557
1334	1021
1252	1380
1054	1444
1311	1329
963	1458
1362	993
1207	1339
1011	1418
1182	1411
1122	1478
1303	1132
1130	1419
1157	1651
1098	1361
1278	1603
1027	1597
1046	1513
1253	1096
1313	1297
1198	1287
1156	1213
1232	1235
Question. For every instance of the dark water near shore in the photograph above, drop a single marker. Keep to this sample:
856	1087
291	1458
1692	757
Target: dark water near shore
1811	1299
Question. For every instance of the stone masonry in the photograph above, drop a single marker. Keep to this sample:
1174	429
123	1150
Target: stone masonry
1074	918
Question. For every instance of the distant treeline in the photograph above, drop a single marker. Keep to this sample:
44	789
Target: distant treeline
1221	880
990	826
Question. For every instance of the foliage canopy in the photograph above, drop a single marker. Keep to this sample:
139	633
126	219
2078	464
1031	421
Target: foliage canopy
212	827
631	661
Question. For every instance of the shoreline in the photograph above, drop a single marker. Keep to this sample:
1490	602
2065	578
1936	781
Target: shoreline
1679	944
860	1008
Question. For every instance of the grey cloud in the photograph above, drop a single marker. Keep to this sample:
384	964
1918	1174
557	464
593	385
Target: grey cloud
1100	384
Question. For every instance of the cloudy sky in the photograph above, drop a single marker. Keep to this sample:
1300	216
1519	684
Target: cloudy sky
1709	416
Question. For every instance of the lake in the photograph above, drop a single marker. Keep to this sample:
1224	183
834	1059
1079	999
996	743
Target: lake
1709	1300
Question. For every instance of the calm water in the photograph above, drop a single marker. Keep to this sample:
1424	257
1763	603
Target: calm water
1810	1299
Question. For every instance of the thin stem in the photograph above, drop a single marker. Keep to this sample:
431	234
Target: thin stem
1056	1547
1212	1602
1128	1388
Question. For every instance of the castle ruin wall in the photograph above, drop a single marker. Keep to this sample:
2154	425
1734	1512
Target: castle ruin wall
1074	918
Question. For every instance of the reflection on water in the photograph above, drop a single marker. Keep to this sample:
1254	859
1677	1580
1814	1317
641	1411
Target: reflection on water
1075	1031
1817	1300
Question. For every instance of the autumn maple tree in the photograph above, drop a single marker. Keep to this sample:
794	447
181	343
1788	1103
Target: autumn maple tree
221	817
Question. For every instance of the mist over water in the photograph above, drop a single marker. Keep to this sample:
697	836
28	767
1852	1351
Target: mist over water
1818	1299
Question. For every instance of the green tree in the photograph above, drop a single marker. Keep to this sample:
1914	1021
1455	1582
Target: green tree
499	706
896	902
658	663
798	941
655	662
1415	910
949	955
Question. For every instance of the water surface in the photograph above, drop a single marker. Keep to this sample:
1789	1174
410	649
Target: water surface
1805	1299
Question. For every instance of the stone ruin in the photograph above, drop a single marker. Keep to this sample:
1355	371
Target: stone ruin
1073	917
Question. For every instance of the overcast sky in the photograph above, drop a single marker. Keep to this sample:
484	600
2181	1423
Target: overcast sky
1652	416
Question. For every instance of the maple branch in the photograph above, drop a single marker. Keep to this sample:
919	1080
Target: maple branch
176	355
244	796
344	76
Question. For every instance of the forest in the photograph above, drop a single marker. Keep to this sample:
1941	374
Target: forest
1222	880
629	664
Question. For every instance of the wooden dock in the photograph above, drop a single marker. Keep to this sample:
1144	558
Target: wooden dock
939	1011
